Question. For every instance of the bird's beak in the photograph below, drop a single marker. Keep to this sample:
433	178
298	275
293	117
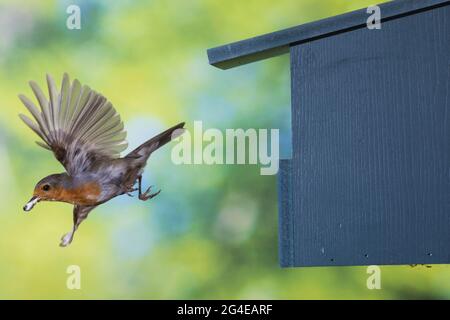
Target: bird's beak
31	203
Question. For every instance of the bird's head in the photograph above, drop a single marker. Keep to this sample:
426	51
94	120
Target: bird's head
48	189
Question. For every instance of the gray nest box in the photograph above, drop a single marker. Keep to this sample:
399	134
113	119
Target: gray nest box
369	178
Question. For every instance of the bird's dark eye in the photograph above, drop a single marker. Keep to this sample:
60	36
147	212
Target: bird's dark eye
46	187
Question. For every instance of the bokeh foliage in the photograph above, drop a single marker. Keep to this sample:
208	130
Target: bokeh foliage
212	233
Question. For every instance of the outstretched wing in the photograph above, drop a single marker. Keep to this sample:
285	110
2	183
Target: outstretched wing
78	124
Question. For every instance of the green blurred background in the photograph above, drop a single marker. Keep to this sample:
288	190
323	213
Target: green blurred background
212	233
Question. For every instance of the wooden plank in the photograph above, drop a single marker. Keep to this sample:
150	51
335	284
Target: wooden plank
286	219
370	174
276	43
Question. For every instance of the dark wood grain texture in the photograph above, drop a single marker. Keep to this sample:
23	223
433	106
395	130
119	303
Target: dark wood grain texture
370	174
286	211
276	43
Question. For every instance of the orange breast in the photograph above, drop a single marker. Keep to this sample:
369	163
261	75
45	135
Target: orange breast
86	194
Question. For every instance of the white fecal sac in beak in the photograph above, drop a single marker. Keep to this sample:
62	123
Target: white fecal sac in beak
31	204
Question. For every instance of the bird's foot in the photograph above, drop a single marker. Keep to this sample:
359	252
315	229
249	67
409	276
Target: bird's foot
66	239
147	195
129	192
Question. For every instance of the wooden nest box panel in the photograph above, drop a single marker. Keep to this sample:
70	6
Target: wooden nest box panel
369	178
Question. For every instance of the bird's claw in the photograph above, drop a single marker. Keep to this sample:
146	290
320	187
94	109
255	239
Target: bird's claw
147	195
132	190
66	239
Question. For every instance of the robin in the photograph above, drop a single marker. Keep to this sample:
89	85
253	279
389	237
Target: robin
84	132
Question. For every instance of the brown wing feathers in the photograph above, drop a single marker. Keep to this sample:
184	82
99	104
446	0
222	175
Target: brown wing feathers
75	117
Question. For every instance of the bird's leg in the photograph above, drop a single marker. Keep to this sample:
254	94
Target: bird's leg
68	237
79	214
146	195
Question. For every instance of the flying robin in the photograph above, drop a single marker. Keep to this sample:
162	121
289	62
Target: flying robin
84	132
